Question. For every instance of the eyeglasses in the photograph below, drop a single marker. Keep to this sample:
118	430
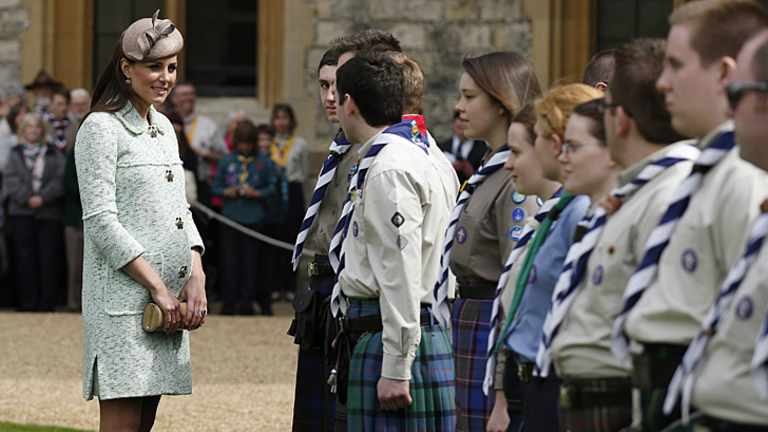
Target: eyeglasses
737	89
604	105
570	147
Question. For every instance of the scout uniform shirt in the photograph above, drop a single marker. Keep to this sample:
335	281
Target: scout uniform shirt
488	228
724	386
319	236
394	243
708	240
582	348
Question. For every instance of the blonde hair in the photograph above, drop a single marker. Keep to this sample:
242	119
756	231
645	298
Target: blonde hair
556	106
25	121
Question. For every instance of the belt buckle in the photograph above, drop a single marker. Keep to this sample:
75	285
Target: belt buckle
312	269
565	397
523	374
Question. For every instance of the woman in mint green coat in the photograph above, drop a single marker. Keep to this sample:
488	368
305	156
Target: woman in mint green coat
141	244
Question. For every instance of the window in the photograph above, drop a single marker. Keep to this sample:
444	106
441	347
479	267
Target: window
110	19
619	21
221	50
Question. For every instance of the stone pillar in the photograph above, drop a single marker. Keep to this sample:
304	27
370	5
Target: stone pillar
13	22
436	33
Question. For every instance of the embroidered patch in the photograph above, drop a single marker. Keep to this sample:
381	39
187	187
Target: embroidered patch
397	219
461	235
518	215
355	229
597	275
533	276
744	308
514	232
518	198
352	172
689	260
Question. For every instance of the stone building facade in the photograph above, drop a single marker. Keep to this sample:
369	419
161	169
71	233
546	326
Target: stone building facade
13	22
436	33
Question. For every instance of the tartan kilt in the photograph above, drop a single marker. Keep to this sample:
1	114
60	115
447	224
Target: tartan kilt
431	385
471	327
314	405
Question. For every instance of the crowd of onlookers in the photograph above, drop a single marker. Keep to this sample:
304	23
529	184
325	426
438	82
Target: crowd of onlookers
252	174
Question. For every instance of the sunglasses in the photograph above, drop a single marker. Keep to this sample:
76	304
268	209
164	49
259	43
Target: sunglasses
736	90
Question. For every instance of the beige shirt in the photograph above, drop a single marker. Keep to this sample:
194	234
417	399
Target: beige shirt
724	386
582	349
393	247
319	236
708	240
489	226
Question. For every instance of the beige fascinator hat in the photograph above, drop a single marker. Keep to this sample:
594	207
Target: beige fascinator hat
150	39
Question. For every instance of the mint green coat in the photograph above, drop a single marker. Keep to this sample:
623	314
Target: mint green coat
132	191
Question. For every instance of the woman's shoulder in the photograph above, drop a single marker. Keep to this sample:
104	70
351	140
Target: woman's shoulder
98	118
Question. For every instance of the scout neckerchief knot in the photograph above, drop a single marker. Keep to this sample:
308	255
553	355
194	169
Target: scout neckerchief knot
683	380
575	267
646	271
440	293
418	127
392	134
245	161
525	237
339	147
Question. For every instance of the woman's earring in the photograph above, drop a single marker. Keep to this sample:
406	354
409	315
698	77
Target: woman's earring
128	81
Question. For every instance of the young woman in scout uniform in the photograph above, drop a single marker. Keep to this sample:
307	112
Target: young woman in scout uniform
596	394
531	278
495	90
128	165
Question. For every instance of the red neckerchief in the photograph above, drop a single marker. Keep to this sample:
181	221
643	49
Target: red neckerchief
420	123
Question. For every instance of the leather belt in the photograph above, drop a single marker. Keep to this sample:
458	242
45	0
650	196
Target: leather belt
579	394
656	366
373	324
320	267
476	288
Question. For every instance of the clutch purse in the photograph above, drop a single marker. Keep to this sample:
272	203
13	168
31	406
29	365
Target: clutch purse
153	317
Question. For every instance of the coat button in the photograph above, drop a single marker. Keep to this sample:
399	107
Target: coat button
182	272
179	223
169	175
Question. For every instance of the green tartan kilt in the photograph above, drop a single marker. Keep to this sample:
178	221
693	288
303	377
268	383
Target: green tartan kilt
431	385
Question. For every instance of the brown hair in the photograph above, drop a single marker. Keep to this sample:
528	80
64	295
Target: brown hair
593	110
413	82
288	110
112	91
245	132
720	27
600	68
509	79
638	65
556	106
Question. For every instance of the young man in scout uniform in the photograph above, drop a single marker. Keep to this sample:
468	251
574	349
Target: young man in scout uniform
702	232
314	404
717	366
401	373
596	393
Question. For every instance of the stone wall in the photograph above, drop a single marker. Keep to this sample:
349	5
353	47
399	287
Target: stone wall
436	33
13	22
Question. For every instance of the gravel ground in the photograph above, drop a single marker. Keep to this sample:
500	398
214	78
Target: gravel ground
243	374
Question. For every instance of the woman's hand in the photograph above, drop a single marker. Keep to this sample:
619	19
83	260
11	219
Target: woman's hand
194	294
499	420
170	307
230	192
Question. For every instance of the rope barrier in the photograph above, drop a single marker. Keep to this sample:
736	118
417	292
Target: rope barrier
245	230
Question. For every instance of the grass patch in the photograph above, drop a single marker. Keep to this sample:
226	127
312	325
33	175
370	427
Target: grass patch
13	427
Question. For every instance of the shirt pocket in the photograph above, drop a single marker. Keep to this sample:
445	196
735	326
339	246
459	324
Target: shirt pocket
124	295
